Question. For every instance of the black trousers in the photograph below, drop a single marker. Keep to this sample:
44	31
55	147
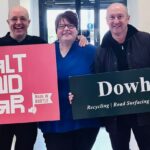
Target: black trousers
82	139
120	136
26	134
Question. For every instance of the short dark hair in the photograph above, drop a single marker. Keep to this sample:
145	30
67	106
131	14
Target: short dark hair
70	16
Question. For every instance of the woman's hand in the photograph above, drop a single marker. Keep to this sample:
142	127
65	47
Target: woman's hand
70	97
82	40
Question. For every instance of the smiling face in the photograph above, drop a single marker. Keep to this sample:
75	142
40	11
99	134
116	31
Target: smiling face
18	21
66	32
117	19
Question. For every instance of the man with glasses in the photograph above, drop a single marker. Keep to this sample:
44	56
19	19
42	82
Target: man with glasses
124	47
26	133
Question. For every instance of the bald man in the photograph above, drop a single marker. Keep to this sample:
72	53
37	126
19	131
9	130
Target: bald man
26	133
124	47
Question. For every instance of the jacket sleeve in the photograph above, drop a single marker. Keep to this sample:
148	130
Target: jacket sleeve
98	62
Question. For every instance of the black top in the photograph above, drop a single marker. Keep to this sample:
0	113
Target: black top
8	40
119	49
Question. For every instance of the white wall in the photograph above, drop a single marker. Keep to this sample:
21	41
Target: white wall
139	15
3	16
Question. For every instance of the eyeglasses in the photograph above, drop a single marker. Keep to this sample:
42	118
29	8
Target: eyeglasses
62	26
21	19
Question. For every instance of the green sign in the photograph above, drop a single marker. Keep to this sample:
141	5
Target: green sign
110	94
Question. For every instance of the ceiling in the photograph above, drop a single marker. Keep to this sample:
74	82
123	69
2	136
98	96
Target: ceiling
71	3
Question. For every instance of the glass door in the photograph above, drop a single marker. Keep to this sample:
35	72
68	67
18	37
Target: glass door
92	17
87	23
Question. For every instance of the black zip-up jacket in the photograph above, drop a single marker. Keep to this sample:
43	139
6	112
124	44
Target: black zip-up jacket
137	55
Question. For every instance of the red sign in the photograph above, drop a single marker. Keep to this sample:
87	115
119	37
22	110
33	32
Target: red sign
28	84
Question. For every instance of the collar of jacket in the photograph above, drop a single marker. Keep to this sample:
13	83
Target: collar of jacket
108	41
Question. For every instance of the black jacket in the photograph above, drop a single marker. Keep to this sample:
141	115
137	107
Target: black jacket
8	41
136	55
